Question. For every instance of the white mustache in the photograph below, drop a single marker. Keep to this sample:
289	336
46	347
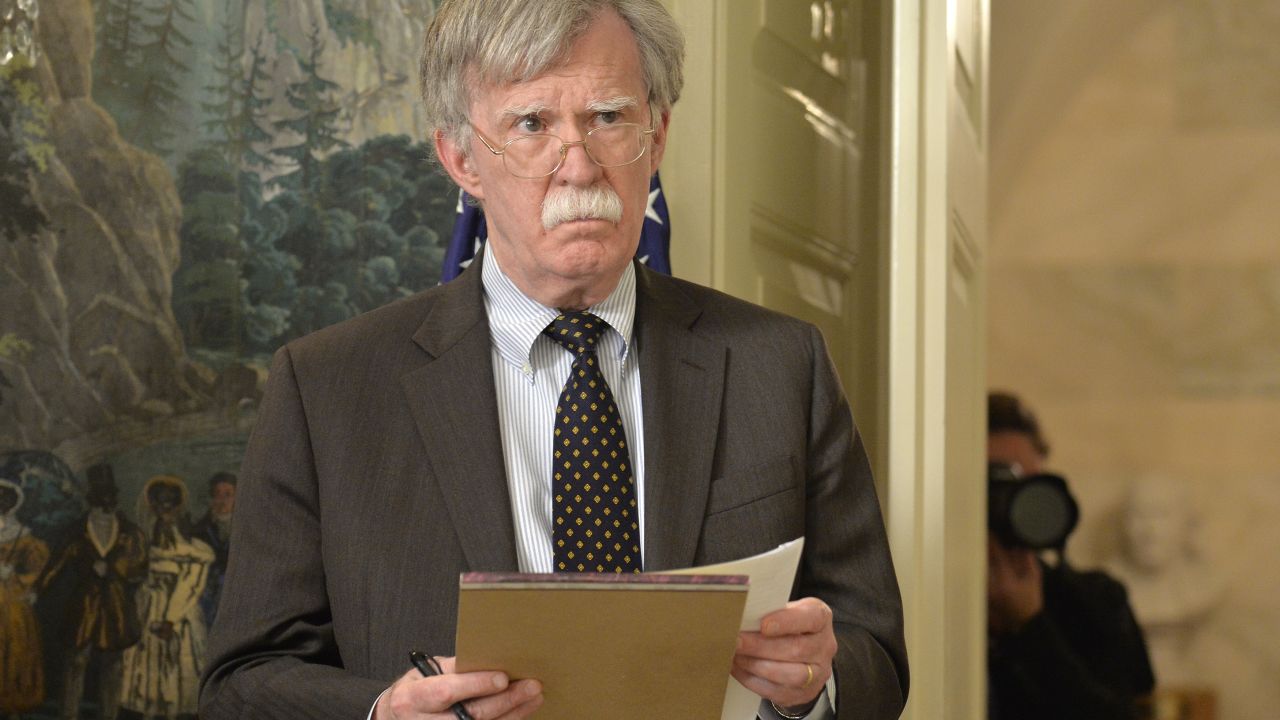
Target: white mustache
598	202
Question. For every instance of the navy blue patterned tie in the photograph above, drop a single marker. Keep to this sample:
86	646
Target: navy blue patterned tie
596	521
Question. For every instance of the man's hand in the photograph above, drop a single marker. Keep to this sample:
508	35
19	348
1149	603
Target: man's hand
1015	587
100	568
487	696
789	660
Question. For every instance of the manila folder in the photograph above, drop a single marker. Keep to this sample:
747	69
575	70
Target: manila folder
615	646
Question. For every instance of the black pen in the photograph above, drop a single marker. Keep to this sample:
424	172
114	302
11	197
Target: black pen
428	666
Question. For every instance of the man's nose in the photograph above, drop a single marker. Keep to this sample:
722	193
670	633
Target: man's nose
577	167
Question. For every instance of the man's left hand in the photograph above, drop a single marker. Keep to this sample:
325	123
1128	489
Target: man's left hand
789	660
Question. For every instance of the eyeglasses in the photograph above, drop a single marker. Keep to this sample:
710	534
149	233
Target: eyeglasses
537	156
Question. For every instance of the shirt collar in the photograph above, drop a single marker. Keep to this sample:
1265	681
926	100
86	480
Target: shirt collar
516	320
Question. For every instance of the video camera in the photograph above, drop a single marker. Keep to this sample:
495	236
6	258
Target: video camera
1035	512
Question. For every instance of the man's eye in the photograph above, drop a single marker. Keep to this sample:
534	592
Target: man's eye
609	117
530	124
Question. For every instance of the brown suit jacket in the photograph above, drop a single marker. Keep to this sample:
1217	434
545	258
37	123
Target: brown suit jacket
375	476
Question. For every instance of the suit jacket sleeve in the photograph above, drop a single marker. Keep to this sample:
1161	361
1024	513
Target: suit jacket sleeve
846	557
272	652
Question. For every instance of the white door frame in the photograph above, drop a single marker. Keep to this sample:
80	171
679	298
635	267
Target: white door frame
935	235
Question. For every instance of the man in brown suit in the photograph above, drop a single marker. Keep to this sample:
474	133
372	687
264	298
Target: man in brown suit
396	450
108	559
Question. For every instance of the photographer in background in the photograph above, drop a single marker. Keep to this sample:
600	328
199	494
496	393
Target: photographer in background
1063	644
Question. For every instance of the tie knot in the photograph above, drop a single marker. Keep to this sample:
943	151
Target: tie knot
576	332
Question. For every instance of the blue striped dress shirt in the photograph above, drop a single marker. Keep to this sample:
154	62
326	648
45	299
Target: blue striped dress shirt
529	371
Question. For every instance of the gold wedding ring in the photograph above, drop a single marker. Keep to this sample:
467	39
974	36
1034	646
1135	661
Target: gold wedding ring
809	669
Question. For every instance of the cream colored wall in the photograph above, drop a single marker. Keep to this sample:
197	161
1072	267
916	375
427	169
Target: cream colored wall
1134	294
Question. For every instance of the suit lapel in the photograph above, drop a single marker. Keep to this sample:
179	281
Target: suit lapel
682	381
455	407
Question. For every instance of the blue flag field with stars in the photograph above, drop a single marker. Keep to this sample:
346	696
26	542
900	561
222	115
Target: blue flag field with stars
469	234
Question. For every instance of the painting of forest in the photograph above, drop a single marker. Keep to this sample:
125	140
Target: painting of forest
185	185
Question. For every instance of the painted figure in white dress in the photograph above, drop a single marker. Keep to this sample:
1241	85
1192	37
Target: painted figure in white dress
162	672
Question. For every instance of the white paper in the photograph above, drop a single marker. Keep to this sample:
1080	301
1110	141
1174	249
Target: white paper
771	576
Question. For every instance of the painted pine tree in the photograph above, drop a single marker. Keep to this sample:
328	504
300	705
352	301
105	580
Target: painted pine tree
116	59
316	124
250	146
223	93
163	59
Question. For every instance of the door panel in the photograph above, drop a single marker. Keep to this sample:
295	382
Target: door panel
794	99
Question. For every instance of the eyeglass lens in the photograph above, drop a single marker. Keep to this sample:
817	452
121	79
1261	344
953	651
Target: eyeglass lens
537	156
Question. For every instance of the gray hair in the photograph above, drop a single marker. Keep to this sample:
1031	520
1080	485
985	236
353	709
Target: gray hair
501	41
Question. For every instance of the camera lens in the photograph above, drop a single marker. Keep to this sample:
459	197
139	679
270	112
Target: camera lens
1034	512
1040	514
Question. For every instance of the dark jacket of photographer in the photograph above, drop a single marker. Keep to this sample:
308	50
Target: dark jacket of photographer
1082	658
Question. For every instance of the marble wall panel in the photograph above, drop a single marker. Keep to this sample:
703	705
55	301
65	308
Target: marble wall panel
1227	194
1228	343
1226	59
1099	330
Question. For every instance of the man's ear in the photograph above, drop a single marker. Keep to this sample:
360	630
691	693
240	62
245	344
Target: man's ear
459	164
658	142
